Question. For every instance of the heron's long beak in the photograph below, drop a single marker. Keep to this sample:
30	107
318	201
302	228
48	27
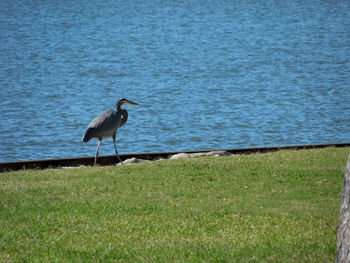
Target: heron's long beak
129	102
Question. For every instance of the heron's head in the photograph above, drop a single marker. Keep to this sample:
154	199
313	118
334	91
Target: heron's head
126	102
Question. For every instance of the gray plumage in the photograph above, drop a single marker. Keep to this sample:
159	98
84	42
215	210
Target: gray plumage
103	126
106	125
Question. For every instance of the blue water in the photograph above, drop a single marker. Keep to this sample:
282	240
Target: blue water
209	74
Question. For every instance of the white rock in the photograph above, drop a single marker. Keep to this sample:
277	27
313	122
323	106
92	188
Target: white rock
133	160
179	156
191	155
220	153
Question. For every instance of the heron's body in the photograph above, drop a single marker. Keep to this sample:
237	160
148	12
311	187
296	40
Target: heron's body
106	125
103	126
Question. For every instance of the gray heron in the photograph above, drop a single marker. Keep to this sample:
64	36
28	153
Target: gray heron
106	125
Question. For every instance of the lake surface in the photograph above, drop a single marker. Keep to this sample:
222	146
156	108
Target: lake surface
208	74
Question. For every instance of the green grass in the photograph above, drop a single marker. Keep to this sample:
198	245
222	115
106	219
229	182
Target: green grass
275	207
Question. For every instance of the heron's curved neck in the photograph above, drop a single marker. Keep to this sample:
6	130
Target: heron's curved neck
124	113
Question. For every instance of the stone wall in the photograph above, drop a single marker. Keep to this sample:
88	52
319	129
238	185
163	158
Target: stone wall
343	233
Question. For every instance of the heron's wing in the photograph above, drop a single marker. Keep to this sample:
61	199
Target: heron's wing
104	125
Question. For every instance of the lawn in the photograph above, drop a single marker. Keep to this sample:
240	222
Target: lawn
273	207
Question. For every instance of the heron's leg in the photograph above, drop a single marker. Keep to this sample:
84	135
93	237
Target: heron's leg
96	154
115	148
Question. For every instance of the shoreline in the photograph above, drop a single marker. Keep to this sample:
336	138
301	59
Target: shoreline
112	160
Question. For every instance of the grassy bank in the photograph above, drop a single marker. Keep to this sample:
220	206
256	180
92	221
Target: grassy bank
275	207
